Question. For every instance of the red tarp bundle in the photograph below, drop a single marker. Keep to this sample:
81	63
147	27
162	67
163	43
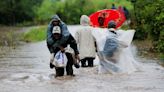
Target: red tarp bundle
107	15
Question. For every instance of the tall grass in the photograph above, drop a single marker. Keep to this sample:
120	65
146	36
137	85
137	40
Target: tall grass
9	36
34	34
9	39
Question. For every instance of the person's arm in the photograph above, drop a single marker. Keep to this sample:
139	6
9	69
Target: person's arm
50	40
95	43
51	49
49	35
95	46
51	61
77	36
73	44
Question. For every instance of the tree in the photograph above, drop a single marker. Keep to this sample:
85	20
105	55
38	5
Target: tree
17	11
150	16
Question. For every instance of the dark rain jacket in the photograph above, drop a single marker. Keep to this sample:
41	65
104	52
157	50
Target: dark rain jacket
66	38
70	41
63	27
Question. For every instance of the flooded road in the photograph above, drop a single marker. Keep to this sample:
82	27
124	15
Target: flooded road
26	69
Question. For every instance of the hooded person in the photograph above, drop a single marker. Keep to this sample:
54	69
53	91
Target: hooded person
56	21
114	50
86	42
58	37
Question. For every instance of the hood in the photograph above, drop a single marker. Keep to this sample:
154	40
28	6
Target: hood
62	25
55	17
84	20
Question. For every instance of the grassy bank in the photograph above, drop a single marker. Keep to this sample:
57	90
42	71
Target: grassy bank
145	50
9	36
35	34
9	39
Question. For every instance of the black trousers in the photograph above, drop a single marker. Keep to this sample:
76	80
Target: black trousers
90	61
69	67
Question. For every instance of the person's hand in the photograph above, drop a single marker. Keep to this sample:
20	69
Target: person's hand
51	60
77	57
51	65
76	64
62	49
96	49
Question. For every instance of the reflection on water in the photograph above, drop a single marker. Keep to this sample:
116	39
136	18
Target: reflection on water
26	69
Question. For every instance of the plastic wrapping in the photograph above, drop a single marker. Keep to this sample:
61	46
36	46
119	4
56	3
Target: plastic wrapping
60	59
114	51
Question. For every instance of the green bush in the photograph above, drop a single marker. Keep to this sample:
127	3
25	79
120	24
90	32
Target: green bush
160	44
149	22
35	34
70	11
17	11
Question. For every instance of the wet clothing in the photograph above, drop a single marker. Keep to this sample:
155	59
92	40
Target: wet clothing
69	68
90	62
65	39
85	40
115	55
70	41
111	44
65	34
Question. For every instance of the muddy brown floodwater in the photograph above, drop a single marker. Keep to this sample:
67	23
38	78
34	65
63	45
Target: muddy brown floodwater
26	69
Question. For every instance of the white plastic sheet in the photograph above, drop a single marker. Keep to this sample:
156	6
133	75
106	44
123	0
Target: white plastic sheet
122	60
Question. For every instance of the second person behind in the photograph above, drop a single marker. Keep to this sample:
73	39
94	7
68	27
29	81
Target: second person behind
86	42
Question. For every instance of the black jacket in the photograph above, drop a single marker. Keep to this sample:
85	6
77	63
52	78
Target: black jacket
70	41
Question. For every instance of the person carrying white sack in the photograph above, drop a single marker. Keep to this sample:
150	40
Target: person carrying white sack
113	50
60	58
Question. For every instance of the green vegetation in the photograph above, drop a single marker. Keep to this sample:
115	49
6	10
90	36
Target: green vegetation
26	12
9	36
17	11
71	10
149	22
35	34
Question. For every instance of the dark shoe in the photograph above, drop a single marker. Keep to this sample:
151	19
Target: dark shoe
77	65
51	65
